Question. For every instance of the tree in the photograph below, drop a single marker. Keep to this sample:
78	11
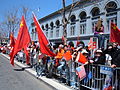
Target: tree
65	22
26	13
11	22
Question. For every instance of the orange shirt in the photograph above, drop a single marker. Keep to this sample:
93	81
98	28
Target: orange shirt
60	54
67	55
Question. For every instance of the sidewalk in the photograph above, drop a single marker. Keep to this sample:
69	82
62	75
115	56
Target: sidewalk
51	82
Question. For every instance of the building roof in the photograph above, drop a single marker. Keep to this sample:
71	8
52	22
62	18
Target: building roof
67	8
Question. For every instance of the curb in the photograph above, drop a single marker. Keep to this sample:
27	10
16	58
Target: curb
53	84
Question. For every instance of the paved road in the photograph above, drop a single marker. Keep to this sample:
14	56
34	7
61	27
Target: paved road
14	78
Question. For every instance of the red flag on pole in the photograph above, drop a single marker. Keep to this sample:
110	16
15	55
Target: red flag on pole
42	39
115	33
23	39
12	40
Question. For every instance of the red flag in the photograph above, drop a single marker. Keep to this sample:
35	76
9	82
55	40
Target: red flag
22	41
42	39
115	34
91	44
12	40
78	42
81	58
67	55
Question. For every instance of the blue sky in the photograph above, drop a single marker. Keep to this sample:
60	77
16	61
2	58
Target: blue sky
46	6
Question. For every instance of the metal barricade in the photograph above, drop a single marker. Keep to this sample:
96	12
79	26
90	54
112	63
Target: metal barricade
100	77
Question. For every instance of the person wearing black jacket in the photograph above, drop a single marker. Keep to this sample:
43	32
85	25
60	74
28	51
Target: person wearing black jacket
99	57
116	63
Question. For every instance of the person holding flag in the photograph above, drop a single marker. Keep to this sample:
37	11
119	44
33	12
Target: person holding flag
12	42
43	42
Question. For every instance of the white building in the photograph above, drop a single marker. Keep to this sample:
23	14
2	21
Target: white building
82	20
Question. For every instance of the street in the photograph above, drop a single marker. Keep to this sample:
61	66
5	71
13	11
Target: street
14	78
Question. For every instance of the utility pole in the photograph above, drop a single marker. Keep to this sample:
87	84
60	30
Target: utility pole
64	24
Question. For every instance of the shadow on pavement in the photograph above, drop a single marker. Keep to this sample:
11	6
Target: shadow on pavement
21	69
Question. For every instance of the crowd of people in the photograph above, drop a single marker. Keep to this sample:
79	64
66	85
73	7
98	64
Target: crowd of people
67	59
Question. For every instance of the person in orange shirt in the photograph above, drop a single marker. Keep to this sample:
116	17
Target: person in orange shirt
59	55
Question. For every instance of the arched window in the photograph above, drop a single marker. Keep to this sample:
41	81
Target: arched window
46	26
52	24
57	23
65	20
83	15
43	27
111	7
73	18
95	11
32	30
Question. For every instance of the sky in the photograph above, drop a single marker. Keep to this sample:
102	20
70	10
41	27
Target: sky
46	7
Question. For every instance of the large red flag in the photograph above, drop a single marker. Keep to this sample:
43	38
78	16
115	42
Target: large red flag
42	39
22	41
115	34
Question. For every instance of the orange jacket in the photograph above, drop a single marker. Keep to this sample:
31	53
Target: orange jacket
60	54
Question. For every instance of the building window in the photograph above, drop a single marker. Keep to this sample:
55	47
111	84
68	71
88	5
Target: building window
83	15
46	26
43	27
111	7
51	25
114	20
95	11
73	19
57	33
83	29
72	30
111	15
57	23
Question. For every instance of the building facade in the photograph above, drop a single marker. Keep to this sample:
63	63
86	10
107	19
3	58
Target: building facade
82	21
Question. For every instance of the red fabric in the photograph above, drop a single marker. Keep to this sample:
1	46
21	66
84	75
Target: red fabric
42	39
78	42
23	39
12	40
115	34
108	88
67	55
81	58
27	55
91	44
